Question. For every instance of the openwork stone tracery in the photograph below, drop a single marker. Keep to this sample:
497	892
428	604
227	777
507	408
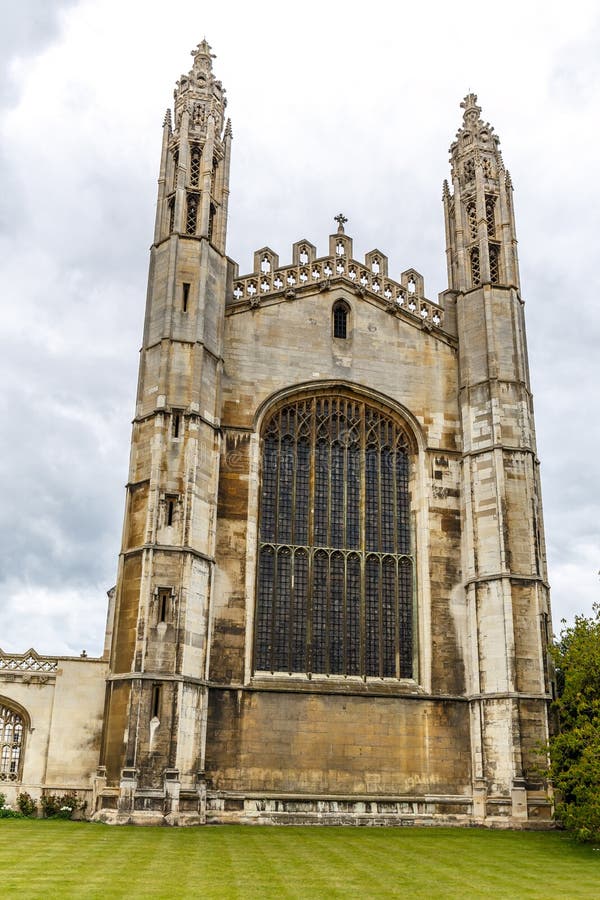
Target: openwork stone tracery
335	579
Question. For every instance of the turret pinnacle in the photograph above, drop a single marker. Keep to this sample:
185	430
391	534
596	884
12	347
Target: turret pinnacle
199	93
474	133
202	55
480	229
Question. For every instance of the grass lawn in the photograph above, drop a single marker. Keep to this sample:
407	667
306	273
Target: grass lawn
54	859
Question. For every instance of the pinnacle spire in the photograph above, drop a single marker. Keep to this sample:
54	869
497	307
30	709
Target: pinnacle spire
202	55
474	133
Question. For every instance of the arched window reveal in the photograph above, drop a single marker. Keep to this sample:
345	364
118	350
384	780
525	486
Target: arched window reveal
340	320
335	573
11	744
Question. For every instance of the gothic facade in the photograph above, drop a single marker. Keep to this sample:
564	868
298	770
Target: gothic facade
332	600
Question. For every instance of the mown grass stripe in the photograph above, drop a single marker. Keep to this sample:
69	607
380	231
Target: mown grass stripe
71	860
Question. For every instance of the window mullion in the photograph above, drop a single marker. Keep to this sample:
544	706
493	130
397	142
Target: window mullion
311	532
362	538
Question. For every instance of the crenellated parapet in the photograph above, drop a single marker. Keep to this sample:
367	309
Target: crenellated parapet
270	281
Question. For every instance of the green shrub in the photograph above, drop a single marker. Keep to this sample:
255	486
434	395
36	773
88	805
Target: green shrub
2	800
61	807
27	805
575	750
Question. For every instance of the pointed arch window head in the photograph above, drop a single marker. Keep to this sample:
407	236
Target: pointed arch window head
335	580
11	744
341	312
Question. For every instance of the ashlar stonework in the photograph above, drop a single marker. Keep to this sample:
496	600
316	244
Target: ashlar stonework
332	600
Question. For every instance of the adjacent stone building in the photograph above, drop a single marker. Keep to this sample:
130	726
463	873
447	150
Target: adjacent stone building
332	601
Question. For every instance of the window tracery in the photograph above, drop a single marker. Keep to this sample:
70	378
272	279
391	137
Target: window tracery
475	267
469	169
494	264
335	574
472	220
11	744
195	157
490	215
191	214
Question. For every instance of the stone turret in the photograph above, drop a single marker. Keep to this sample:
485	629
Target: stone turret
505	577
156	698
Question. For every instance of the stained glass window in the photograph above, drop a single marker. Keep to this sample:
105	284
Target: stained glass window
335	577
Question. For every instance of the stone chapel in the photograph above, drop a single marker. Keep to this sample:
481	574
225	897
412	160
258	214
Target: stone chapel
332	600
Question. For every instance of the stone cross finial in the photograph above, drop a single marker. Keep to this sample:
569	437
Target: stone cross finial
471	110
341	220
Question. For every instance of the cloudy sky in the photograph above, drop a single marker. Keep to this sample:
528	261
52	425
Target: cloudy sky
335	106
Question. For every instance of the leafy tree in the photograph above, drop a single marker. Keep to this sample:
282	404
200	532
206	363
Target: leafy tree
575	749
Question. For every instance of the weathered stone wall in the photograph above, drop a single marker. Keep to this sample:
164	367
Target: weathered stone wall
318	743
63	703
274	740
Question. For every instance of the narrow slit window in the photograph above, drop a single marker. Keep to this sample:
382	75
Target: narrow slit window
170	510
156	692
176	424
163	605
340	320
175	168
211	221
185	296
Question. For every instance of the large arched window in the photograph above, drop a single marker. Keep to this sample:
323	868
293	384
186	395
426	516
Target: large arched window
335	570
11	744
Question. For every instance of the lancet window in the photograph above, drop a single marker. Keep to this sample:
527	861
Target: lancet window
494	264
195	157
340	320
490	215
336	567
11	744
175	168
472	220
191	214
475	267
